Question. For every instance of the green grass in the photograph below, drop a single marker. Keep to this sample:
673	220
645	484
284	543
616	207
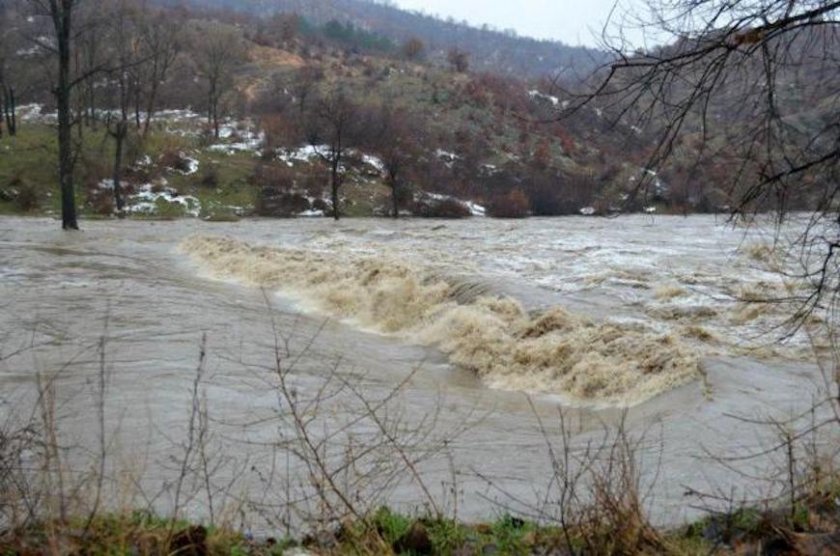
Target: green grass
29	161
121	535
221	184
231	174
386	532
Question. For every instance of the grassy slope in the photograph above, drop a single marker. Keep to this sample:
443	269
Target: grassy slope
29	161
437	97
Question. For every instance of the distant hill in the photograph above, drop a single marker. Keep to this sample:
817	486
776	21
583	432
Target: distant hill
490	50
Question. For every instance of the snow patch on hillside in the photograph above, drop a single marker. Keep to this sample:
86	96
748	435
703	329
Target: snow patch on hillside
302	154
534	94
375	162
147	200
244	141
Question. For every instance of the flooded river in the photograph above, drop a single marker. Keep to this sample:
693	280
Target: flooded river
467	334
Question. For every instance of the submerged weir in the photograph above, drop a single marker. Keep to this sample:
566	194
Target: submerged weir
552	351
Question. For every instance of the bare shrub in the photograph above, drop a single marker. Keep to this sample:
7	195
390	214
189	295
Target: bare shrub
210	177
17	439
100	201
280	129
346	452
23	194
350	474
441	208
272	201
175	160
272	175
594	492
138	174
276	196
514	204
323	206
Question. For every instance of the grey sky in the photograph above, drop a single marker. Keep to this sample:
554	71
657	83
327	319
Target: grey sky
574	22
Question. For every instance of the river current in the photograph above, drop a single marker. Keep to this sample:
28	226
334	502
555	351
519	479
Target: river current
476	332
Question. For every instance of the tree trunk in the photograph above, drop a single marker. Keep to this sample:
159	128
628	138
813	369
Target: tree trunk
119	139
334	183
160	66
216	131
150	105
4	117
11	116
4	107
392	182
213	109
65	141
81	109
91	99
138	120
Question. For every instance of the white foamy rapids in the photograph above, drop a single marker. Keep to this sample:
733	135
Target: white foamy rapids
553	352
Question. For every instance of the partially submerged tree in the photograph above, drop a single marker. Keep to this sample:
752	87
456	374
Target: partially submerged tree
62	17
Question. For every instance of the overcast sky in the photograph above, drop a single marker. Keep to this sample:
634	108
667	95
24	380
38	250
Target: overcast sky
575	22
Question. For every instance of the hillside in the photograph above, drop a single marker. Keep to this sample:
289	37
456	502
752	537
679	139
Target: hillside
475	136
490	50
513	146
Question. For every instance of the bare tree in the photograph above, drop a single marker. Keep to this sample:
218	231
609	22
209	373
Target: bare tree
160	44
331	128
458	60
9	107
88	54
62	15
70	25
7	90
303	84
284	26
754	85
413	48
219	51
394	138
124	39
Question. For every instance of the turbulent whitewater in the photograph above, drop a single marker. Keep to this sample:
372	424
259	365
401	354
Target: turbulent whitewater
595	312
552	351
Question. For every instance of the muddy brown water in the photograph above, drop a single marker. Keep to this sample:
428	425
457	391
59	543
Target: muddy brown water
135	284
